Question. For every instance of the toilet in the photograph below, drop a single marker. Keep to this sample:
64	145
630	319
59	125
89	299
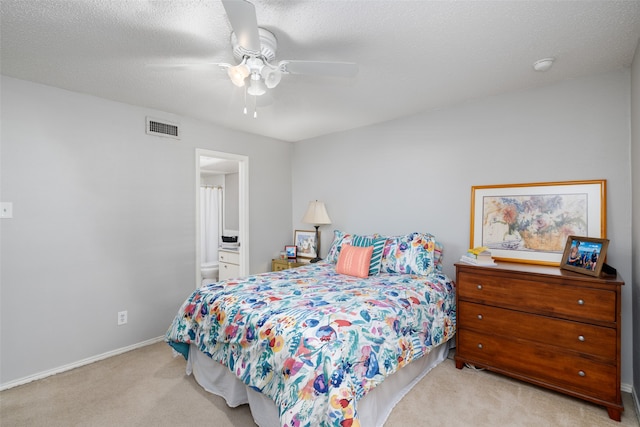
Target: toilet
209	272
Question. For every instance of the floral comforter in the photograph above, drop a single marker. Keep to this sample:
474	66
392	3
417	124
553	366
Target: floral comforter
313	340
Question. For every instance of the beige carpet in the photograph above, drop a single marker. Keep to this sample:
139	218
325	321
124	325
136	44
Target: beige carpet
148	387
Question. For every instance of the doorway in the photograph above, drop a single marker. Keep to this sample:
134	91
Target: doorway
210	162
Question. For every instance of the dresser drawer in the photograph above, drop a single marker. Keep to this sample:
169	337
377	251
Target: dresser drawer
541	364
276	266
540	297
589	339
230	257
284	264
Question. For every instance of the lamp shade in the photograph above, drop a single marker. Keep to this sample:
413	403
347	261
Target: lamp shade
316	214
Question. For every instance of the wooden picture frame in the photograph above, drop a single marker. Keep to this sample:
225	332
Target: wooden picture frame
530	223
305	240
585	255
291	251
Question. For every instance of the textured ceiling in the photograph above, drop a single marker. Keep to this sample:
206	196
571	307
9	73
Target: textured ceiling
412	55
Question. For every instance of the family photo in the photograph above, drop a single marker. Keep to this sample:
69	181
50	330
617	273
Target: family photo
584	254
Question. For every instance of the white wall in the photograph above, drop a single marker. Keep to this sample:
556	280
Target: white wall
416	173
104	221
103	214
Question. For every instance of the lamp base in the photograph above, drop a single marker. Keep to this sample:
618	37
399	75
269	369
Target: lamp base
314	260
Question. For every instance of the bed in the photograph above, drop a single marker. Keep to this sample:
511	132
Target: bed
325	344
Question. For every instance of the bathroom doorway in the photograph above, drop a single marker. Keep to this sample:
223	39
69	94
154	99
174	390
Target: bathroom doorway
224	177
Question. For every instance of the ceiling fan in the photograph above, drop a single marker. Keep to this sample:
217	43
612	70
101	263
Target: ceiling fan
255	49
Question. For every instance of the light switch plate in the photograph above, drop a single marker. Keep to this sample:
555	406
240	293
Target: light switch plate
6	210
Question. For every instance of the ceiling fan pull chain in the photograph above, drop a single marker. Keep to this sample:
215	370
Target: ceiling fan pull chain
245	100
255	107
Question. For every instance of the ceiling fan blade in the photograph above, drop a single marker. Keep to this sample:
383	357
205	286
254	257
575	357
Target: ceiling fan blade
319	68
242	16
193	65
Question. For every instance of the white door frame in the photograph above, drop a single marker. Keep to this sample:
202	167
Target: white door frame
243	208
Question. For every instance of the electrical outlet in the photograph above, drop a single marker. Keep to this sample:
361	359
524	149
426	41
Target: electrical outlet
122	317
6	210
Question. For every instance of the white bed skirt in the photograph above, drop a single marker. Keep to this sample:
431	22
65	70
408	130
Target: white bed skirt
373	409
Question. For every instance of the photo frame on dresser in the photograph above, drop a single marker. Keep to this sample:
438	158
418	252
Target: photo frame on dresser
530	223
585	255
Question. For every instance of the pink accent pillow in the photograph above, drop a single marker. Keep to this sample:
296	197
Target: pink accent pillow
354	260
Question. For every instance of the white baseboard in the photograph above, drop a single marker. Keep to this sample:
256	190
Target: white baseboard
77	364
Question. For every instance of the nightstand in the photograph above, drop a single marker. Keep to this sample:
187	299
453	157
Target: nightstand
284	264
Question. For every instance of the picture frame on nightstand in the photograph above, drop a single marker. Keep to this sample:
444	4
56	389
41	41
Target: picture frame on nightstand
305	240
291	251
585	255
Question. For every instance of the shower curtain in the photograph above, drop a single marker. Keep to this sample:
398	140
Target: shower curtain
210	223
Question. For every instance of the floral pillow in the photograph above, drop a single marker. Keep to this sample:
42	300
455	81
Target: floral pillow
412	253
437	252
339	237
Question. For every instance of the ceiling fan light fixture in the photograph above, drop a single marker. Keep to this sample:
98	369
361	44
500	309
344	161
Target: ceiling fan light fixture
257	87
272	77
257	47
238	73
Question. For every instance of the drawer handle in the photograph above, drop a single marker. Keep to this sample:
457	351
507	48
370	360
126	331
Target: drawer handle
581	338
479	316
480	346
479	286
582	374
580	302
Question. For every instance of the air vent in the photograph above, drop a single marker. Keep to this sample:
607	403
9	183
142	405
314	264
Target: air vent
162	128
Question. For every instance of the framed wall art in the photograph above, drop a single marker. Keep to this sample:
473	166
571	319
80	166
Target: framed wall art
584	255
531	222
305	240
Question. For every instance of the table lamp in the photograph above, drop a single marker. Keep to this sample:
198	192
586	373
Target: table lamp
317	215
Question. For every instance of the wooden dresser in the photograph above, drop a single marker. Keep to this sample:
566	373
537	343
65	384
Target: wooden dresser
550	327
